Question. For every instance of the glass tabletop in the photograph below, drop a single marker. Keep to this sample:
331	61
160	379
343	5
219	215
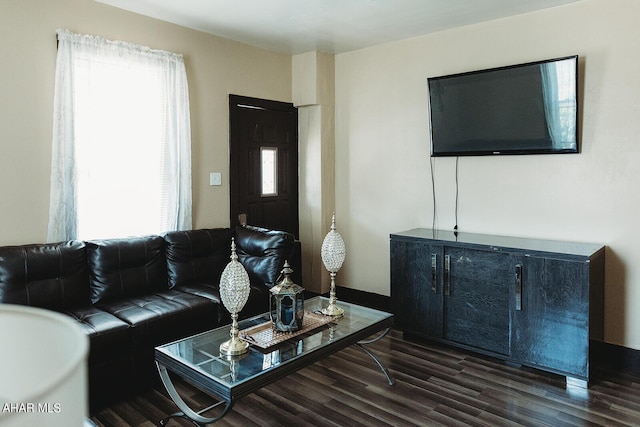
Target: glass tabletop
201	353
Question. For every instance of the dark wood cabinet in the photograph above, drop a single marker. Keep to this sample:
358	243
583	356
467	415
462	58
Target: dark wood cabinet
419	292
554	326
529	301
476	298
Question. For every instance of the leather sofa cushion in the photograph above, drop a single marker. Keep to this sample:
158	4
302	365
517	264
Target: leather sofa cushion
163	316
107	334
262	252
127	267
53	276
197	257
258	302
206	291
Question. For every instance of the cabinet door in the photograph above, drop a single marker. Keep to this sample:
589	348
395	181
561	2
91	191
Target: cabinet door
551	329
416	291
476	298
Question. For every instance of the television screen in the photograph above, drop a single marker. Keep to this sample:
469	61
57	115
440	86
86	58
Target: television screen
522	109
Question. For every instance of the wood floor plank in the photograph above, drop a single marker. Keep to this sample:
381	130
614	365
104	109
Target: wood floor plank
351	404
436	385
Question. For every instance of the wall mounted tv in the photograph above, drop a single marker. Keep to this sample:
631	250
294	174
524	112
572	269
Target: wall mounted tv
522	109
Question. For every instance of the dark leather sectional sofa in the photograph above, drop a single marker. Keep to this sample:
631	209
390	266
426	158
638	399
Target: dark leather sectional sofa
130	295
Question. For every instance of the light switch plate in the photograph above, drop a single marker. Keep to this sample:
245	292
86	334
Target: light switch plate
215	178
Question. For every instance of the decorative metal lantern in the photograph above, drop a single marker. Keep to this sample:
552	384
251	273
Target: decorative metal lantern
234	292
287	303
333	253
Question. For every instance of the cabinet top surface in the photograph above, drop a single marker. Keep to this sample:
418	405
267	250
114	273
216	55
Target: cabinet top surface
524	243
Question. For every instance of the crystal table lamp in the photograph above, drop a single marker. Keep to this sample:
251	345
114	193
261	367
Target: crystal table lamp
333	253
43	368
234	292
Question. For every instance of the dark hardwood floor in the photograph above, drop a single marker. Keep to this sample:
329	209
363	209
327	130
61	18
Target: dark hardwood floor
435	385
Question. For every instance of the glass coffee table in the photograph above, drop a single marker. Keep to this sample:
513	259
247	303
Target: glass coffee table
197	359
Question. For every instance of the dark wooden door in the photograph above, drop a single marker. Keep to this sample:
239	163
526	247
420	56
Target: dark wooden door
416	287
552	327
263	176
476	298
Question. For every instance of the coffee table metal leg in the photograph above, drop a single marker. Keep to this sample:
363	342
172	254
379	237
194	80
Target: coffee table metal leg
362	345
186	411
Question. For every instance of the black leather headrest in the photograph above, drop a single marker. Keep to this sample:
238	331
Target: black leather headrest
197	256
263	252
126	267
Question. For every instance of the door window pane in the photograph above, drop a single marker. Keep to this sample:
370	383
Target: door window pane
269	169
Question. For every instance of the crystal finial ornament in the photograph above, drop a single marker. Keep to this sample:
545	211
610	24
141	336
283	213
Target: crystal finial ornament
234	292
333	253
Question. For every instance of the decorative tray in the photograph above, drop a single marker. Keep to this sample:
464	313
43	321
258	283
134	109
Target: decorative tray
265	336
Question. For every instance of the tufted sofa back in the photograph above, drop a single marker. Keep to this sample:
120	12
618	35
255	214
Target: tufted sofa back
72	274
51	276
126	267
197	257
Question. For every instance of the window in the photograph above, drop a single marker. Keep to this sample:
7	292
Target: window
121	162
268	170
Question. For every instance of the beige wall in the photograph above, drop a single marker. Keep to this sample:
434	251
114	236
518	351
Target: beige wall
313	89
215	68
383	182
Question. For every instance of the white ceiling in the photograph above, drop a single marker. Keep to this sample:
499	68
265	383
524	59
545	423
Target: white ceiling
335	26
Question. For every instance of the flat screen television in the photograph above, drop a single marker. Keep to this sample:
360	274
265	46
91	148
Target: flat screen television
521	109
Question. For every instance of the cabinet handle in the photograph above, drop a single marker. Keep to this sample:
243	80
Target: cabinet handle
434	271
447	274
518	287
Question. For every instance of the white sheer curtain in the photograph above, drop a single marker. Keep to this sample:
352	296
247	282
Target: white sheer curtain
121	162
551	103
559	93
